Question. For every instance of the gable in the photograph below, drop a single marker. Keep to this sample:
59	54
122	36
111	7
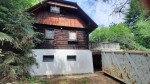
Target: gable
74	16
68	19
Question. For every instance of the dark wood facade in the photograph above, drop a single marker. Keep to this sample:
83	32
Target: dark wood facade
146	3
61	39
70	19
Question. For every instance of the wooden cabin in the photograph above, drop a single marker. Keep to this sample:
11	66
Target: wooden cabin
66	28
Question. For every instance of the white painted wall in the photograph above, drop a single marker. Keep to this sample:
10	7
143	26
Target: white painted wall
61	66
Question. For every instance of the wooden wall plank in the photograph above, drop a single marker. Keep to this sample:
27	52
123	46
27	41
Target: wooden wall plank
61	38
71	20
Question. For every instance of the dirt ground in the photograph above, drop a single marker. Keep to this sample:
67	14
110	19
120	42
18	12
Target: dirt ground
97	78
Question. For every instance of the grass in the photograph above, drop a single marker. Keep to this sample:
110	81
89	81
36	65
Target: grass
71	81
33	80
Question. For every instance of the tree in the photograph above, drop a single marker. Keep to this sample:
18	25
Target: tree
136	19
135	12
100	35
18	39
142	32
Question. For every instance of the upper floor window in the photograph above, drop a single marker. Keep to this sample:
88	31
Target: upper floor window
49	34
72	36
54	9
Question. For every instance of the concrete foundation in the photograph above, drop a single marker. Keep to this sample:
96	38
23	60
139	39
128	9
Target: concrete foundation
60	65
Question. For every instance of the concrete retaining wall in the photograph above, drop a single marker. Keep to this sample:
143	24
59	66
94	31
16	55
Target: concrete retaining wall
104	46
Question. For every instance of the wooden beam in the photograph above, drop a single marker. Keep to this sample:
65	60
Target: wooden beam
63	5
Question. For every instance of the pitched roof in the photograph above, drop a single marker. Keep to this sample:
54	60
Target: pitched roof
92	25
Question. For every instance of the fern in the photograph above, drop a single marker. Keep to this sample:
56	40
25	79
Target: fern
5	37
13	65
1	53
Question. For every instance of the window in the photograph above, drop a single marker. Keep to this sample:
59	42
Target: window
72	36
48	58
54	9
73	42
71	58
49	34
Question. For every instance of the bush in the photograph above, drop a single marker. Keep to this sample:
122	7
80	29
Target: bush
116	34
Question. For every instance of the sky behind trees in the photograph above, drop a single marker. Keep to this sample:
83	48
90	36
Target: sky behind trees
100	12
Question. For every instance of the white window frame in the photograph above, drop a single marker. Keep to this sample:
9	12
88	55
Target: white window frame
49	34
72	36
54	9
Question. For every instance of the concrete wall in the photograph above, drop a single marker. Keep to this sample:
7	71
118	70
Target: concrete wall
60	65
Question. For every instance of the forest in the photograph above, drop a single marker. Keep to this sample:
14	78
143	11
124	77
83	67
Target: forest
17	36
